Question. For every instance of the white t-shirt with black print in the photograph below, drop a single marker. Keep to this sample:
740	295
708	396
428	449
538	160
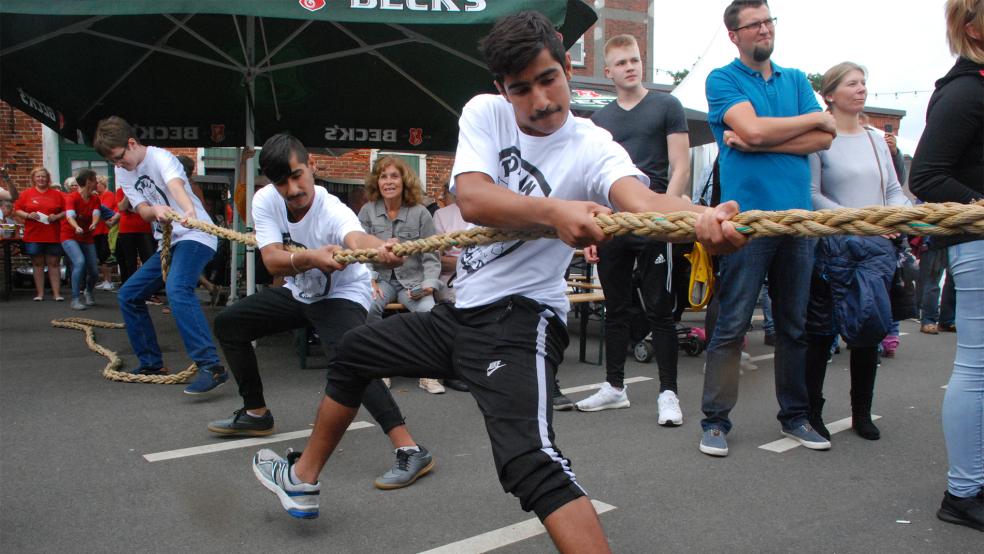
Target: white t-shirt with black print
580	161
327	222
147	184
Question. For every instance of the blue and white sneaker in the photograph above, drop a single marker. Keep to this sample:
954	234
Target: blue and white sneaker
207	379
273	472
808	437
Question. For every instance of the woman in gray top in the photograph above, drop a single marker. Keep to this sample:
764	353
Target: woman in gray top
394	211
856	172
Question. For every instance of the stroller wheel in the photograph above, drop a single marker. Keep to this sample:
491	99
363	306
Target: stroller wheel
693	346
643	351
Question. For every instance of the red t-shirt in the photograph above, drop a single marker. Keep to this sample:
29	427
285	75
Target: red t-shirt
48	202
83	216
130	222
107	199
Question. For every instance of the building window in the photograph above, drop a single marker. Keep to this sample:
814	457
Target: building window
577	53
417	162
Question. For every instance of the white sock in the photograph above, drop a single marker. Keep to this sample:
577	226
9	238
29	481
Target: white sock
254	413
409	448
294	479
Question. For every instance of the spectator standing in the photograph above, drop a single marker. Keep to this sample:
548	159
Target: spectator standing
652	127
856	172
135	239
41	206
765	120
949	167
107	201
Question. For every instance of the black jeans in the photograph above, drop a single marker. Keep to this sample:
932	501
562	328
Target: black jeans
615	269
128	247
507	353
274	310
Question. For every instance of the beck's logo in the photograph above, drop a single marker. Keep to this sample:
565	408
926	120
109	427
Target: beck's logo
416	136
312	5
218	132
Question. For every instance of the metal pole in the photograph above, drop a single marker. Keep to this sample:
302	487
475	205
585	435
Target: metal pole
250	139
234	245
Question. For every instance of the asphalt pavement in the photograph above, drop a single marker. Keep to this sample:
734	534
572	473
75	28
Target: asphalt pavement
77	474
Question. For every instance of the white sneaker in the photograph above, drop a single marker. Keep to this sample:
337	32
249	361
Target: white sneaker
669	409
432	386
746	362
89	299
106	285
607	398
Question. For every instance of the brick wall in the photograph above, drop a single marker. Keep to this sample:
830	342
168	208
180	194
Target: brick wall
20	144
881	120
641	6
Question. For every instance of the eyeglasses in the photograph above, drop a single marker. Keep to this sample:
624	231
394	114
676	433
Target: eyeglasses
769	24
117	159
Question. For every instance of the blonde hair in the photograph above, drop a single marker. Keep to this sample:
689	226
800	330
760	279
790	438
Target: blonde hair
411	182
620	41
960	13
833	77
37	170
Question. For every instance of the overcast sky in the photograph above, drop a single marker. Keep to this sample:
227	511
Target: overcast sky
901	42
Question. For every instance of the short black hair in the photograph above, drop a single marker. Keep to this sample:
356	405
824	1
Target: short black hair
732	11
275	156
83	177
515	40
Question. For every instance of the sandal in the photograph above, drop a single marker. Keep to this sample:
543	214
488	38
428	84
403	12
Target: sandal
38	298
59	299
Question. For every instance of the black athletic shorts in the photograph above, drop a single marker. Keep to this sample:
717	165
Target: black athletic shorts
507	352
102	247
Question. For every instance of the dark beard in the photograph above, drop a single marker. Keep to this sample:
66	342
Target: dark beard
761	54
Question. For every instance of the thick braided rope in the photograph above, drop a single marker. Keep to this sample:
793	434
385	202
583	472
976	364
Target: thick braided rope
924	219
111	371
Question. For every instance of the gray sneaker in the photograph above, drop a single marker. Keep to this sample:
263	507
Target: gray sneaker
76	305
241	423
805	435
409	467
714	443
89	300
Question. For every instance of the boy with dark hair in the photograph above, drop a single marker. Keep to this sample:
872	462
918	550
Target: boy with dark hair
523	162
155	185
317	291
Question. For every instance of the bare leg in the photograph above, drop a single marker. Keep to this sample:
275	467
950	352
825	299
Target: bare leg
333	419
575	527
54	275
37	262
400	437
106	275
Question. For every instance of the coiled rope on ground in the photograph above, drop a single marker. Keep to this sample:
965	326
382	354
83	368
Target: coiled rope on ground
112	369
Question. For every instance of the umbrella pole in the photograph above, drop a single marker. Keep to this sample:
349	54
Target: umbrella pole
234	261
250	139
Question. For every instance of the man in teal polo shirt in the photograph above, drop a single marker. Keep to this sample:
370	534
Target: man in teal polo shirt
766	120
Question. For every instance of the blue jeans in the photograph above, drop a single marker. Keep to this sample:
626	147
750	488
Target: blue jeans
788	263
85	265
393	291
768	325
932	308
188	258
963	403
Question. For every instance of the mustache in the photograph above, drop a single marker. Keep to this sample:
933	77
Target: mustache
540	114
296	196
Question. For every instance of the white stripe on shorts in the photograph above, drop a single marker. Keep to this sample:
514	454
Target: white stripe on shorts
544	402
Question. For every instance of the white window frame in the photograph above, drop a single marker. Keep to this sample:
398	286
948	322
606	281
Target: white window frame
578	61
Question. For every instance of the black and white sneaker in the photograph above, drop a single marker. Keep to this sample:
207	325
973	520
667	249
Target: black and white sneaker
410	465
560	401
241	423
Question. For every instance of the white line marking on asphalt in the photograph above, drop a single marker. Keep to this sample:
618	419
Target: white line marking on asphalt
242	443
504	536
944	386
583	388
903	334
782	445
762	357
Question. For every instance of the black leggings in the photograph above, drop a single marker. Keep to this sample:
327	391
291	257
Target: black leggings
615	269
128	247
274	310
864	363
